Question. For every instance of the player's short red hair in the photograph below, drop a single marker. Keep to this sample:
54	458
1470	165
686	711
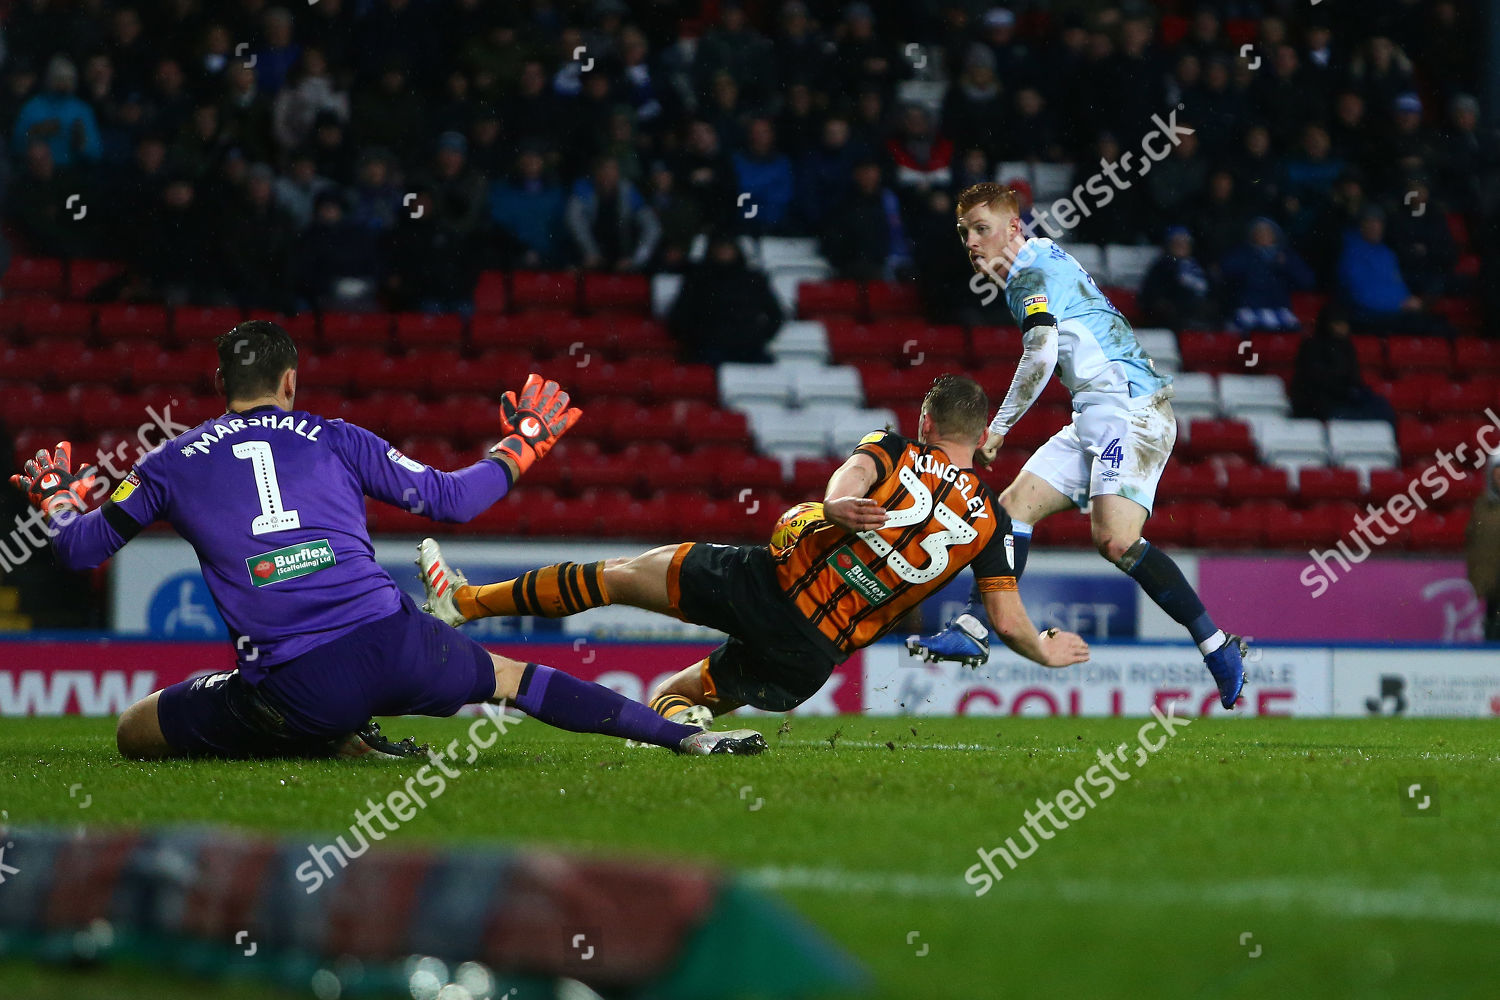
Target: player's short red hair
997	196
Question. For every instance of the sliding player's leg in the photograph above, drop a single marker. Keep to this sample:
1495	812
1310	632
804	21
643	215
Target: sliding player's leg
555	591
1134	446
1054	479
690	697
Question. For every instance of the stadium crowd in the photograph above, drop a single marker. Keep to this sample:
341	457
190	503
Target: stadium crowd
360	153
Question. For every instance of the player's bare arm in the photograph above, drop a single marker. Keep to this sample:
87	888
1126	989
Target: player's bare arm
847	505
1052	648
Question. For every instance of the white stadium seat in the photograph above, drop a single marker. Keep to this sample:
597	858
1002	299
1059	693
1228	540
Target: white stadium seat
1370	444
780	251
1291	443
1089	257
1051	180
784	286
664	289
1194	396
846	431
781	431
805	340
1161	346
829	384
742	384
1253	395
1126	266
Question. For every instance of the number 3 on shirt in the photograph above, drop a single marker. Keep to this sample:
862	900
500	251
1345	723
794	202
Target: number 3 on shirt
273	516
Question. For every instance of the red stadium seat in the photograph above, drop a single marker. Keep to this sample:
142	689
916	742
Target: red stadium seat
1258	482
33	276
19	405
995	345
1068	529
731	471
1416	354
1413	393
340	369
1462	398
489	330
893	298
1211	352
191	323
1433	530
132	322
1315	483
1171	524
810	476
1370	350
490	293
1218	437
416	329
85	276
1182	481
1306	306
819	299
1473	356
629	292
685	382
1271	353
1464	313
358	329
43	320
1239	527
544	289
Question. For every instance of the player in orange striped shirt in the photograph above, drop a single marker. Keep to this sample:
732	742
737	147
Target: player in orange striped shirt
901	519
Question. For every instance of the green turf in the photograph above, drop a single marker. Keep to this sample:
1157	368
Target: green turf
1291	832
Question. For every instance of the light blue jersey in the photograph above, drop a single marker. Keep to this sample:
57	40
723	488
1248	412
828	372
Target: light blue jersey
1096	348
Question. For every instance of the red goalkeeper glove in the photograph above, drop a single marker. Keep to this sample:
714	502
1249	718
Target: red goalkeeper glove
50	484
533	421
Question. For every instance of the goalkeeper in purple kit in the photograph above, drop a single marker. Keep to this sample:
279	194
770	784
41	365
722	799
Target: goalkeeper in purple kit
272	499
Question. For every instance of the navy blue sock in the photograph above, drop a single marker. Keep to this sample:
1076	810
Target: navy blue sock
1164	583
564	701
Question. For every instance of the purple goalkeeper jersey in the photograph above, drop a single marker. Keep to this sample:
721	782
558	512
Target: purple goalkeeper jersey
273	502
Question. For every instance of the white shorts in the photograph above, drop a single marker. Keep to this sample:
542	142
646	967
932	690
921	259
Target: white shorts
1108	448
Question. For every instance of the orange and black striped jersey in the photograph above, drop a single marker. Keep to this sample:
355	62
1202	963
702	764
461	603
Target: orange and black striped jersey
855	586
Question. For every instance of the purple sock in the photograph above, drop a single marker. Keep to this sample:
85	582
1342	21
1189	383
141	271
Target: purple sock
564	701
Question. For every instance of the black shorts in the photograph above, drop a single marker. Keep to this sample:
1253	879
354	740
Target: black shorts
407	663
774	659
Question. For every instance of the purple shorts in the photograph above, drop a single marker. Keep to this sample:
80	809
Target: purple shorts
407	663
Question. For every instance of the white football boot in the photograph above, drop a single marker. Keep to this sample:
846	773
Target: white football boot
440	581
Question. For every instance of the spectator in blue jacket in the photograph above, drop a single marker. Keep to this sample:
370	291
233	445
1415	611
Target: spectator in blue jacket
824	174
1261	274
765	174
1370	278
59	118
528	209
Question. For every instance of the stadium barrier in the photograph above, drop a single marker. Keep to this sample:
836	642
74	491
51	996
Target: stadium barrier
56	675
403	923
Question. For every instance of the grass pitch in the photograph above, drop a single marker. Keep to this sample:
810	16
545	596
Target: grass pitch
1246	858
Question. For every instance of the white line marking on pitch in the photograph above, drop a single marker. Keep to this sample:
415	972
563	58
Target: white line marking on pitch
1415	901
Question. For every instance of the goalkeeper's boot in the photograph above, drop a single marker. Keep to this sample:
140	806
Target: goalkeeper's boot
963	640
440	581
370	743
1227	664
734	741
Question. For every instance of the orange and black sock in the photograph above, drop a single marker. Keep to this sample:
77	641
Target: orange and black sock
550	592
668	705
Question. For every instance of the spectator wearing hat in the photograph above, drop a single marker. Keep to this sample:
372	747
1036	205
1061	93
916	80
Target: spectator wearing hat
1418	232
1410	149
1467	159
1326	384
299	186
375	199
611	226
864	238
527	209
58	117
1260	276
1177	292
337	266
1013	66
824	175
724	311
275	58
974	107
460	194
923	157
258	245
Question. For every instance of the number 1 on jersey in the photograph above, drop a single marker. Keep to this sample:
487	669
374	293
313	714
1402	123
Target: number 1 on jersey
273	516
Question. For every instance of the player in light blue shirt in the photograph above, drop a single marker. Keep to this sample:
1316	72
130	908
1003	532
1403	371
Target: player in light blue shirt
1110	457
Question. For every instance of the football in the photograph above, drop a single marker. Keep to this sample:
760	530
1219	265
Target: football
790	525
